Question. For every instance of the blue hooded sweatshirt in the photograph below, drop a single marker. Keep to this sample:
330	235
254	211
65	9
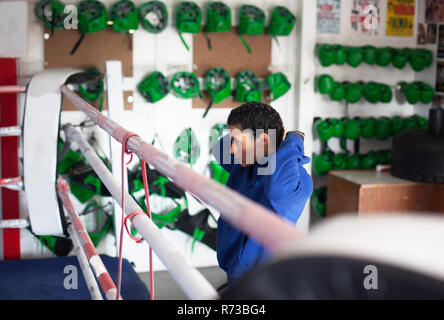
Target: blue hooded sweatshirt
285	190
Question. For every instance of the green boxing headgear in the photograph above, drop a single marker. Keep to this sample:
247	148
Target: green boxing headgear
124	16
50	12
251	22
218	17
248	87
185	85
188	19
281	22
155	87
278	85
218	85
153	16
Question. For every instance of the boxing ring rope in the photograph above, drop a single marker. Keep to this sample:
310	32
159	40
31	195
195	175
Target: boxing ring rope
189	279
85	249
257	222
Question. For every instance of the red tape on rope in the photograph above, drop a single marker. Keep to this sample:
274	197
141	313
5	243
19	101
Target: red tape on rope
125	219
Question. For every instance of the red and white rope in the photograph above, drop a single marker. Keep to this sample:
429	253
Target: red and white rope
106	283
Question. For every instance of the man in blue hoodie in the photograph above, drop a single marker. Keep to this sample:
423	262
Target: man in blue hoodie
266	165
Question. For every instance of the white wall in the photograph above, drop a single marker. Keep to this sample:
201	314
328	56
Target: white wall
166	53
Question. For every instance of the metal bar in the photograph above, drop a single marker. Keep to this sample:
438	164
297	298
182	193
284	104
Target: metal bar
91	282
188	278
105	281
14	223
268	229
10	131
12	89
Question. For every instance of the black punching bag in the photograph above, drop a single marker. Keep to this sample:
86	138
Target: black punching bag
418	155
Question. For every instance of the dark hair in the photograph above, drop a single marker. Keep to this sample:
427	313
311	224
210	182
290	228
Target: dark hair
257	115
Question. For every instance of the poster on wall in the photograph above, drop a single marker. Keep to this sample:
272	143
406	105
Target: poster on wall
441	41
421	34
329	16
434	11
400	18
364	17
431	33
440	77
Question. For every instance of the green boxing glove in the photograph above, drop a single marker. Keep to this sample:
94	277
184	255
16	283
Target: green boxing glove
338	162
353	92
323	129
340	54
412	92
319	201
385	93
427	57
337	128
353	162
421	123
338	92
322	163
326	54
382	157
368	160
384	56
418	60
427	93
382	128
371	92
354	56
400	57
352	129
409	123
369	54
367	127
325	84
397	126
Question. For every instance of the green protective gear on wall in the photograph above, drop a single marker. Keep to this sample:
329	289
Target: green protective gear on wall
368	160
218	173
353	162
50	12
325	84
218	84
369	54
326	54
400	57
155	87
278	85
354	56
188	19
124	16
367	127
337	127
338	91
185	85
384	56
248	87
353	92
322	163
371	92
186	148
153	16
92	90
383	128
339	161
340	56
92	16
323	129
218	17
352	129
385	93
251	22
319	201
281	22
